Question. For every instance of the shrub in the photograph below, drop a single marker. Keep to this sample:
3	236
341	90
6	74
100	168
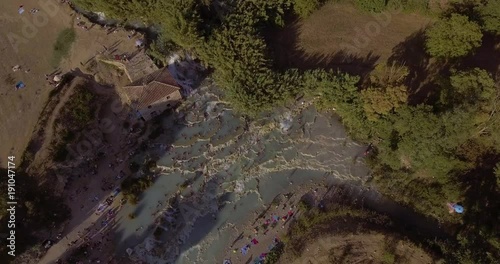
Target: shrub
304	8
304	205
388	258
79	110
132	188
376	6
274	255
409	5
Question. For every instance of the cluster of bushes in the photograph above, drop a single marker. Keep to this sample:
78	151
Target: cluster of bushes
132	188
77	113
274	255
80	110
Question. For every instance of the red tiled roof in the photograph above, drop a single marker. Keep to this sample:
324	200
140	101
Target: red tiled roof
161	75
153	92
151	88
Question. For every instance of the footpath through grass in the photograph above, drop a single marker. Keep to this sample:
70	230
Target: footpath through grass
62	46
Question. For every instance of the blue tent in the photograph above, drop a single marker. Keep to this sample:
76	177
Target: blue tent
20	85
458	208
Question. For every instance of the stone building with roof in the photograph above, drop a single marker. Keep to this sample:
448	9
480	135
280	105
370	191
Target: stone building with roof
152	94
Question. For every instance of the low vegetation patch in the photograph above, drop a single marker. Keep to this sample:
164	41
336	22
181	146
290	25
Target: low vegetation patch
132	188
74	117
62	46
274	255
80	108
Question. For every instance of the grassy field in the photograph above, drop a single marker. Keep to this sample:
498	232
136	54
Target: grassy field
62	46
339	35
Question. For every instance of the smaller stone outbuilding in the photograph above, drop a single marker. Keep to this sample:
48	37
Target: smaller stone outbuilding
152	94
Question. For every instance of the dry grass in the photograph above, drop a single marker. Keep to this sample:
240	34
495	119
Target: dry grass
334	37
370	247
335	26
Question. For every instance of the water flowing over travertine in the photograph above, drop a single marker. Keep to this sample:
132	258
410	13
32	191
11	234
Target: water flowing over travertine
233	168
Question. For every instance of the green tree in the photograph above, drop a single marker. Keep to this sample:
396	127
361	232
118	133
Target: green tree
304	8
490	16
474	86
381	101
387	91
453	37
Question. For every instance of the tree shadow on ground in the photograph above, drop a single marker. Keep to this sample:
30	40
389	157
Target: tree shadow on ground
481	203
286	53
425	77
423	70
485	57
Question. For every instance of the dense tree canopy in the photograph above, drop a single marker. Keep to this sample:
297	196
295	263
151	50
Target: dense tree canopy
490	16
473	86
387	91
453	37
380	101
